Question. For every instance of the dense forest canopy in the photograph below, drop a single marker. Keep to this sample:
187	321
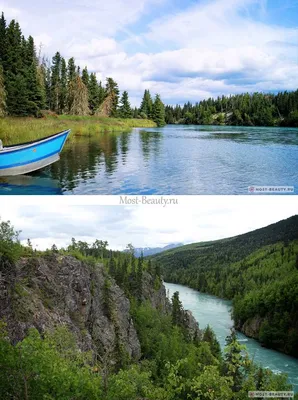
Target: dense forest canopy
31	84
257	109
173	365
258	271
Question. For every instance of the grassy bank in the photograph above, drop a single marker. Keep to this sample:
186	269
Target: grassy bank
17	130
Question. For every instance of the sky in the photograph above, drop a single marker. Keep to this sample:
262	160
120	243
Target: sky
182	49
49	220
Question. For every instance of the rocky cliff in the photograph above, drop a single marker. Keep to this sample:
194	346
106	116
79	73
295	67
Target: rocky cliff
56	290
61	290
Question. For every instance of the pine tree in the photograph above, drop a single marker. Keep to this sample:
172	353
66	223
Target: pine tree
78	97
2	94
125	109
159	112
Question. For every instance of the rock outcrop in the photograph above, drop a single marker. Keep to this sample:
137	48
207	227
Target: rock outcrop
60	290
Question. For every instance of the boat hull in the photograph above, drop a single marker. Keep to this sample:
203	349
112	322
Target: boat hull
22	159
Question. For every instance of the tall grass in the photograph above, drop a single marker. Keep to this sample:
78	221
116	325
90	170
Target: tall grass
17	130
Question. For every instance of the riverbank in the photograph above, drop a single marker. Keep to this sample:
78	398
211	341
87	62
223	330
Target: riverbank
17	130
216	312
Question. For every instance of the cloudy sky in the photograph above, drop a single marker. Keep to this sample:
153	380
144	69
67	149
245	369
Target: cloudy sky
55	220
183	49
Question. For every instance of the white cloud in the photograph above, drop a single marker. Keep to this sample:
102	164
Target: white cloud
210	48
196	219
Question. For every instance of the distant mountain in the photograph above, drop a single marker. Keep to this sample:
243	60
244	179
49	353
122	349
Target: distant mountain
150	251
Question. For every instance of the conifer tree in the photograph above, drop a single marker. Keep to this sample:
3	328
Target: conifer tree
71	70
35	96
101	93
85	76
146	108
177	309
15	83
93	90
125	109
158	112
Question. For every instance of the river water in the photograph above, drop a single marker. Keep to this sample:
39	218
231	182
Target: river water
176	159
214	311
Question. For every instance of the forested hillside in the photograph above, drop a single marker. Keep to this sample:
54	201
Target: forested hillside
258	270
30	84
86	322
257	109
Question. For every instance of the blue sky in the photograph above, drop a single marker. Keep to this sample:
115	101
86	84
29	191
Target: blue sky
184	50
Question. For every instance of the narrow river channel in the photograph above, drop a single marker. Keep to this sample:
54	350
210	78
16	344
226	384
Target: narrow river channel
216	312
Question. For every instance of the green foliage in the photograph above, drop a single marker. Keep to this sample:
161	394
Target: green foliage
146	108
125	108
257	270
29	85
158	111
258	109
46	368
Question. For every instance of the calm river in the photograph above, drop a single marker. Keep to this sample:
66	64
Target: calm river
176	159
214	311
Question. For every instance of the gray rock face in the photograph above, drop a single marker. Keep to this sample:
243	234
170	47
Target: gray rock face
61	290
251	327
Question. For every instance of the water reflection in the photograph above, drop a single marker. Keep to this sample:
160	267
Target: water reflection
176	159
151	141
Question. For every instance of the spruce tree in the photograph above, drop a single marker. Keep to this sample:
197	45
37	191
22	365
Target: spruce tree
159	112
125	109
71	70
93	90
35	98
177	310
146	108
14	79
85	76
101	93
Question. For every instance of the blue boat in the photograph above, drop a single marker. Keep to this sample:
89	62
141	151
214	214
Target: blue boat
27	157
